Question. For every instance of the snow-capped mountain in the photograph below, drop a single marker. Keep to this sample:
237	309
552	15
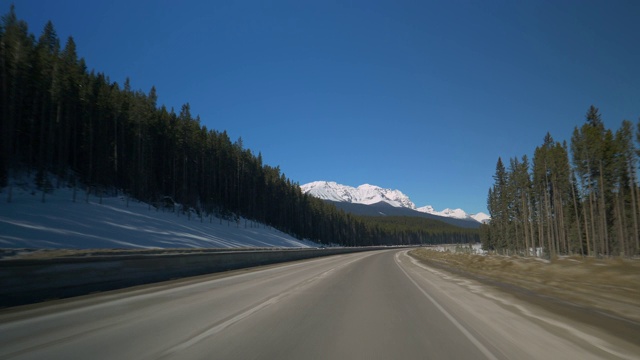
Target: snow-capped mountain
363	194
371	194
455	213
481	217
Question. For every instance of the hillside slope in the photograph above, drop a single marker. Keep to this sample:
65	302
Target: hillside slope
115	222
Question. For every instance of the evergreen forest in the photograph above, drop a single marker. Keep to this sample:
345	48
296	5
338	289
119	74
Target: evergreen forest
67	126
580	198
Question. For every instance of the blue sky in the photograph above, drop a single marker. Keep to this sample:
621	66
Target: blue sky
420	96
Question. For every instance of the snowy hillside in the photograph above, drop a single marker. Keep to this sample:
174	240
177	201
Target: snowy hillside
371	194
26	222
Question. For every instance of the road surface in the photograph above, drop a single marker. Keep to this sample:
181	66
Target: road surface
372	305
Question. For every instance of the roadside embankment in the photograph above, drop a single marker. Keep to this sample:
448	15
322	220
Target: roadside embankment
609	286
38	278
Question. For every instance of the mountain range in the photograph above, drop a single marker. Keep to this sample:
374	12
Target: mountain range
379	200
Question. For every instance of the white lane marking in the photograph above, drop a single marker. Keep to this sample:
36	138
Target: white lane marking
590	339
121	299
220	327
216	329
455	322
129	296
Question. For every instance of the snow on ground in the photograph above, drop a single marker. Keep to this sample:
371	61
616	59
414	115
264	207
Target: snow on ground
461	248
26	222
478	250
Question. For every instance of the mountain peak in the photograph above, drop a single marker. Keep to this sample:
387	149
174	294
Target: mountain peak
481	217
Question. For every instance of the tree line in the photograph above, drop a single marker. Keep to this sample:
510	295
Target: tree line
578	198
68	125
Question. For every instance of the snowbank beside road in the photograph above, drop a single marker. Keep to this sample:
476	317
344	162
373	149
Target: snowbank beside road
114	222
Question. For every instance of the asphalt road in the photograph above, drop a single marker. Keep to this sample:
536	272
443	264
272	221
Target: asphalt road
372	305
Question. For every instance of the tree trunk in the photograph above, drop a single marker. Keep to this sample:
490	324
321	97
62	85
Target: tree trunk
635	206
621	223
604	242
525	220
593	225
575	208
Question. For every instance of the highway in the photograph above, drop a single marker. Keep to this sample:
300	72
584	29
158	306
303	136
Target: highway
371	305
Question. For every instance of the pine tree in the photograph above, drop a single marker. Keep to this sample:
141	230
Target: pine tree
46	58
627	190
16	47
497	204
521	183
587	145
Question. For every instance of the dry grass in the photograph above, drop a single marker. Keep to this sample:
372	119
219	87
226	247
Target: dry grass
609	285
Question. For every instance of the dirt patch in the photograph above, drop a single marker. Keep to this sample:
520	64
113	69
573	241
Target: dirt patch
610	286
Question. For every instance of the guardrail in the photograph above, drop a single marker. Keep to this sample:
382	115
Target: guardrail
30	281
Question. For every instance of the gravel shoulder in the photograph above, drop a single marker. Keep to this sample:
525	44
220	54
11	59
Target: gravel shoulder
600	292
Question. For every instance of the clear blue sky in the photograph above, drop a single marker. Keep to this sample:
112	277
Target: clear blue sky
420	96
